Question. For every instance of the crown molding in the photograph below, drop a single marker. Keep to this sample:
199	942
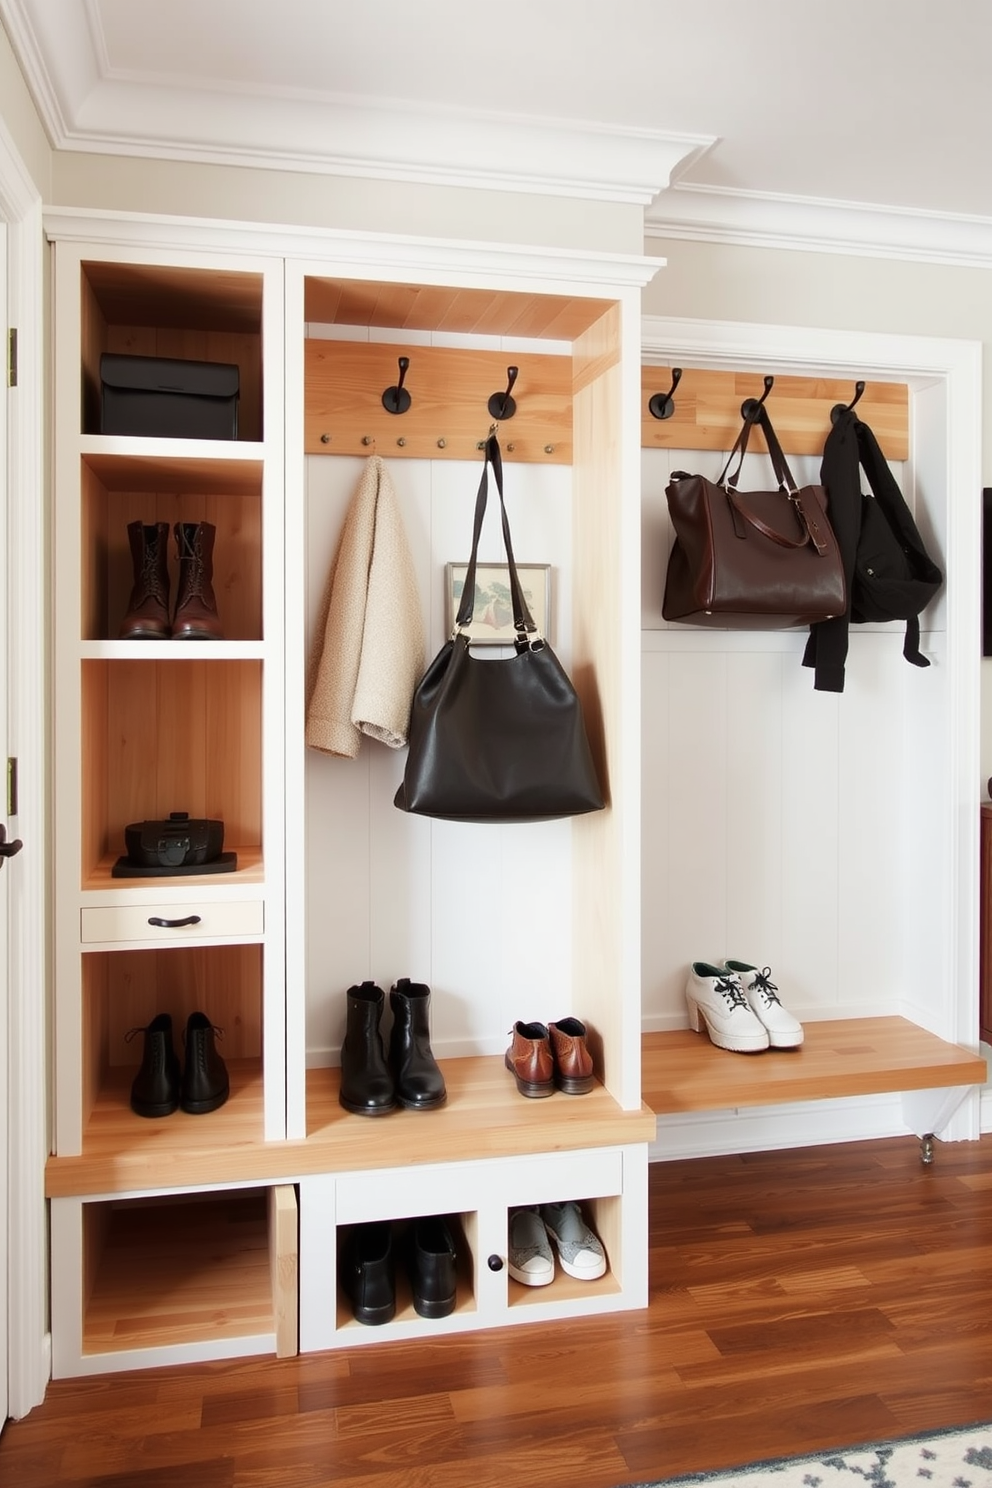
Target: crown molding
86	105
759	220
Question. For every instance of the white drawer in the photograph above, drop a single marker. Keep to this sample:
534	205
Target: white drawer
172	923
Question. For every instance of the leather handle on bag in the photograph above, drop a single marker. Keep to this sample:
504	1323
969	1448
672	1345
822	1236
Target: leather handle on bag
739	503
523	621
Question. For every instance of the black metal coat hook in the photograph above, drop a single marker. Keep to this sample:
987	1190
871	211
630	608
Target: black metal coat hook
397	399
501	405
840	408
662	405
751	407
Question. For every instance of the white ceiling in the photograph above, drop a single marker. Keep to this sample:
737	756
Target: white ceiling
768	113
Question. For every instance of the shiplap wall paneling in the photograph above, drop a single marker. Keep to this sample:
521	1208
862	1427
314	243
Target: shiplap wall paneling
428	899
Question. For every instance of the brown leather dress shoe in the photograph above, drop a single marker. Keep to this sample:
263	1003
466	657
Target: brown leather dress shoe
529	1060
572	1060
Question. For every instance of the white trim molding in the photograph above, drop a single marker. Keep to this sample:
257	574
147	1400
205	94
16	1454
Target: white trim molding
754	219
28	1342
87	105
392	255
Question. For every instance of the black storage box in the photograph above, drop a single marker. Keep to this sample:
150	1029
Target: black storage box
168	398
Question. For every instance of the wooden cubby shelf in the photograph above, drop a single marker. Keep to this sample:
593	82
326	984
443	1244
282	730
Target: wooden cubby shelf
483	1117
683	1071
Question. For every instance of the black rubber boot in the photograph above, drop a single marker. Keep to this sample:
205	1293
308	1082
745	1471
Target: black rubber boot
432	1267
419	1082
205	1080
366	1084
369	1274
155	1089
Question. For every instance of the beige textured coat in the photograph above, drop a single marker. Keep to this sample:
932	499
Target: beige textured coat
369	648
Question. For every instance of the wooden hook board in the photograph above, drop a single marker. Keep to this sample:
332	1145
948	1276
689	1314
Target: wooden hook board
448	417
708	410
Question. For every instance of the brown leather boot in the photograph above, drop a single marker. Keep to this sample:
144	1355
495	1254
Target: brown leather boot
147	617
196	608
529	1059
573	1062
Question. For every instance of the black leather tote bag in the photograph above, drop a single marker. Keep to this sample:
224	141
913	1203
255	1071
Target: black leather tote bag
501	739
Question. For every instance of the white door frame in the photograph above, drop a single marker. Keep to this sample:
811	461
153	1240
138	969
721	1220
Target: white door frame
28	1342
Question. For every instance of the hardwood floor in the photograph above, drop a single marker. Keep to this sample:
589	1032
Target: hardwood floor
799	1300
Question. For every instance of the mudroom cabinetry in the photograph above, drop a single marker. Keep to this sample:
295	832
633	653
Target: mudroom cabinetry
244	1211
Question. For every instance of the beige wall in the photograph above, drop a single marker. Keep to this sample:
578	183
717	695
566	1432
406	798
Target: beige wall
293	198
18	115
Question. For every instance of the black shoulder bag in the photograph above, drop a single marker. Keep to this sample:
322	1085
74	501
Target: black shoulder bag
503	739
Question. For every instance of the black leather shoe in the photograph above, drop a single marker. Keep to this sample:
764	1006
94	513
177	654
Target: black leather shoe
368	1273
366	1083
205	1081
155	1089
419	1082
432	1267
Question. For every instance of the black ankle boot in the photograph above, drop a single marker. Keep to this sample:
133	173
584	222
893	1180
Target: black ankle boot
369	1275
205	1081
155	1089
366	1084
432	1267
419	1082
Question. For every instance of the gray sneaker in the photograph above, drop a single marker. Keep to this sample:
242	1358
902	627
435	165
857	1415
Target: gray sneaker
579	1250
531	1261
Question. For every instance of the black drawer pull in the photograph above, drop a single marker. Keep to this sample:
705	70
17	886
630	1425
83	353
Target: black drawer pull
173	924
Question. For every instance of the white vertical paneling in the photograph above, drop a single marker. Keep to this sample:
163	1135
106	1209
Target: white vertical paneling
482	914
756	807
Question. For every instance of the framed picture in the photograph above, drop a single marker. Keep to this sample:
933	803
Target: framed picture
492	621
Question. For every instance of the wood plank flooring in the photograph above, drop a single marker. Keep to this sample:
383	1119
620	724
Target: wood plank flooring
799	1300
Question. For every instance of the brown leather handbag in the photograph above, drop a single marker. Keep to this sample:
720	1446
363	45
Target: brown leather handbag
755	560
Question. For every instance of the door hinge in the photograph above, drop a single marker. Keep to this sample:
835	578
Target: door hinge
12	357
11	786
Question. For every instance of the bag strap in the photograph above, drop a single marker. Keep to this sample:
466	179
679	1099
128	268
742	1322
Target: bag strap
523	621
779	463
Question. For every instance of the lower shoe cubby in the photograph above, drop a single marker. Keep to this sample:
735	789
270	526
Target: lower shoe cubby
126	989
146	1280
476	1201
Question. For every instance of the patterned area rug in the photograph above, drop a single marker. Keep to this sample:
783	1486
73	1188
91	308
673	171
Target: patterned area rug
961	1458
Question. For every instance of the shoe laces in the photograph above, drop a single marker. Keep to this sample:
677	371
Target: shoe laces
151	573
200	1044
762	983
731	990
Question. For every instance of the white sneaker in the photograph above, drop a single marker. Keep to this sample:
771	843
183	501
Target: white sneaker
714	995
784	1031
580	1250
530	1259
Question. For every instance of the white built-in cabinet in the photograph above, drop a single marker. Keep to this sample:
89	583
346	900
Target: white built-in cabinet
196	1237
833	837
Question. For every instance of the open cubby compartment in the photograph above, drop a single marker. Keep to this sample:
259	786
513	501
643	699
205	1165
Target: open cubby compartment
377	900
604	1216
159	310
124	990
173	1278
462	1227
163	735
120	489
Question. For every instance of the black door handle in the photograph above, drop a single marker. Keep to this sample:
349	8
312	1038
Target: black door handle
8	849
173	924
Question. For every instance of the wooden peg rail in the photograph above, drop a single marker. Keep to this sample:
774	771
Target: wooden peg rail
449	389
708	410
